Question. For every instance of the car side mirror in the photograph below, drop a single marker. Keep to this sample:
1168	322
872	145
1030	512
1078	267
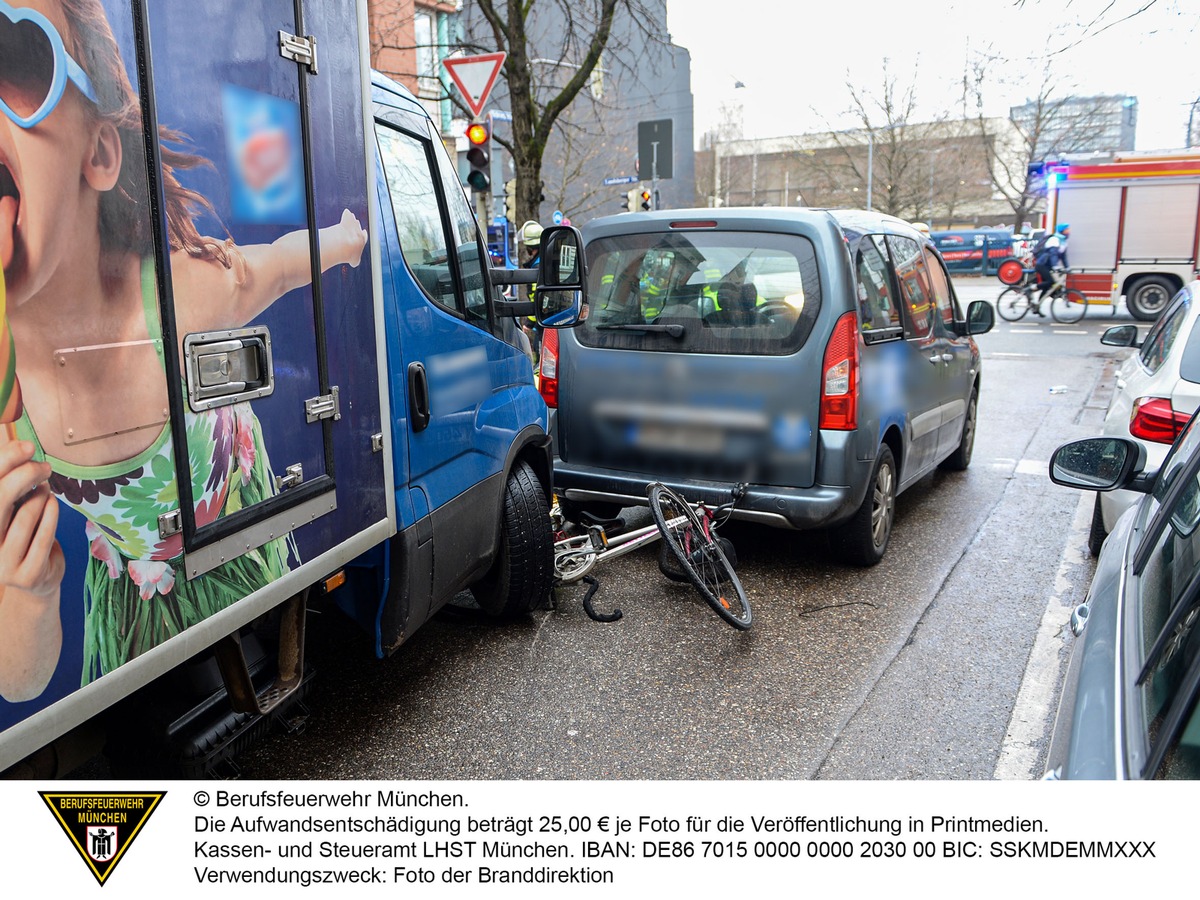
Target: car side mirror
1121	336
1100	464
980	317
561	294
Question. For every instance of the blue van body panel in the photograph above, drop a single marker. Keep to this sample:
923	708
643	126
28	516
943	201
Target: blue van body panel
449	474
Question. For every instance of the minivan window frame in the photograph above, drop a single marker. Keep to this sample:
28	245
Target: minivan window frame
911	331
877	244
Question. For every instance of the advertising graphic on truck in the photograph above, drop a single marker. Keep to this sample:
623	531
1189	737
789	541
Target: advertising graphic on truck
1135	227
252	339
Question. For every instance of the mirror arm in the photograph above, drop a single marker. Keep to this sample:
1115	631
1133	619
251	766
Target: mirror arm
1142	482
514	276
514	307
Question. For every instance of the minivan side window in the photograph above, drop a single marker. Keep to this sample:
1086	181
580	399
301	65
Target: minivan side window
943	296
914	285
878	307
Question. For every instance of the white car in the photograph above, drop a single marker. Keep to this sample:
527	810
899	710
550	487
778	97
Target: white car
1157	390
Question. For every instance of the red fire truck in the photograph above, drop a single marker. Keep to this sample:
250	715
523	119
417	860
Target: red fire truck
1135	227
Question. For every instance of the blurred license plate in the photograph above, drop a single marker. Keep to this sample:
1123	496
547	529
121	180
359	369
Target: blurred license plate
680	438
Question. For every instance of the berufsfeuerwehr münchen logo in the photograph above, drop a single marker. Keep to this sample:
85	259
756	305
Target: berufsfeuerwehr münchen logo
101	825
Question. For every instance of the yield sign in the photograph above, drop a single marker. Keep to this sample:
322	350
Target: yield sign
474	76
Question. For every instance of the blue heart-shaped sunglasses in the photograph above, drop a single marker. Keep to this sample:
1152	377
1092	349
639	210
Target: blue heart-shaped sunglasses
34	66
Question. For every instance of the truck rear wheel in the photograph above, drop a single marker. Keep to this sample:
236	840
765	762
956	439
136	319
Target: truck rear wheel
523	573
1148	296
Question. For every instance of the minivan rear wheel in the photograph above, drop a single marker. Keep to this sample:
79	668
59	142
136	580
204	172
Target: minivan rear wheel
961	457
863	540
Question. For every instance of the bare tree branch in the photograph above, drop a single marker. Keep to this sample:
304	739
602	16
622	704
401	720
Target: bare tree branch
561	35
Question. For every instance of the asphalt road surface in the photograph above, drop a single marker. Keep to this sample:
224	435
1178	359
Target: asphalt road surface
942	662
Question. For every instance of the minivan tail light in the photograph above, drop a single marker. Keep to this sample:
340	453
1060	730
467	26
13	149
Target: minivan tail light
548	368
839	383
1154	419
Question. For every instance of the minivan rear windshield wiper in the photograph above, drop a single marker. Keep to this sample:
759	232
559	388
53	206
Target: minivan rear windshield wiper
675	330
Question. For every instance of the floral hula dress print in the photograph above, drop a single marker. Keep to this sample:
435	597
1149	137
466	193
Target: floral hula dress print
136	592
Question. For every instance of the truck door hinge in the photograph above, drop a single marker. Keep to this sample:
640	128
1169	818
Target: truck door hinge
170	523
300	49
328	406
377	442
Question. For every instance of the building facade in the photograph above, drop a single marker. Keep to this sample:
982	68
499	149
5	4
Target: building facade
408	42
941	173
1100	124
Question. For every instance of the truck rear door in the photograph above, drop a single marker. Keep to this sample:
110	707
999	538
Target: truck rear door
252	119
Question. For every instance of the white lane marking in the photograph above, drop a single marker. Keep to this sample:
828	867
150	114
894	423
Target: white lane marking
1033	712
1032	467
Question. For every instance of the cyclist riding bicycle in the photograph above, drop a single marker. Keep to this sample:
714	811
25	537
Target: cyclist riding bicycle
1051	263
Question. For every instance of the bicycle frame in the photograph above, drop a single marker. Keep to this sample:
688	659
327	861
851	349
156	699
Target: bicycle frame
576	556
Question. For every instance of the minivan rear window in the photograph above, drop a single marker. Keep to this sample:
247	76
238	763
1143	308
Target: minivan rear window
753	293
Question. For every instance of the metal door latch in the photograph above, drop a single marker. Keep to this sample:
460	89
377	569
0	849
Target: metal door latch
170	524
327	406
302	50
295	475
227	367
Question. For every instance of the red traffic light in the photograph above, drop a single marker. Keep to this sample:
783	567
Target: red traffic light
477	133
645	199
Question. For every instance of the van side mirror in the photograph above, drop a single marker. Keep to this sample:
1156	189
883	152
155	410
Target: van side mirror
980	317
561	293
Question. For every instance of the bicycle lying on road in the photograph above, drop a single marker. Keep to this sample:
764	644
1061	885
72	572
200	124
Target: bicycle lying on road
691	552
1067	305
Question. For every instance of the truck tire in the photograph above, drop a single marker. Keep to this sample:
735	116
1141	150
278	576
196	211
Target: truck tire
863	540
1148	296
523	573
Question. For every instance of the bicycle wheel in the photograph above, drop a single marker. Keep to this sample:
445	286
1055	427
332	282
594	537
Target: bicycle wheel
1068	306
700	556
1012	304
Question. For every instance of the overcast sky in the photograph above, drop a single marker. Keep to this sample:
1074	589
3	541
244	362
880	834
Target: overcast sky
794	58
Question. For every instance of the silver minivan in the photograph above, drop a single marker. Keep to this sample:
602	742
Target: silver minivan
815	362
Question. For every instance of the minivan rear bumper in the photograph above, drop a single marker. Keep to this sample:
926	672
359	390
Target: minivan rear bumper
818	506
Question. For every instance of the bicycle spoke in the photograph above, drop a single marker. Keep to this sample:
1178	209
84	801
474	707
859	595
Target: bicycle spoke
698	551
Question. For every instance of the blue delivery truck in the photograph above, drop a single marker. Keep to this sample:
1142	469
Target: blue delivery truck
255	357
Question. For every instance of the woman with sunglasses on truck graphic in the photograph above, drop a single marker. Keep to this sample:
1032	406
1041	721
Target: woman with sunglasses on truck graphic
76	247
